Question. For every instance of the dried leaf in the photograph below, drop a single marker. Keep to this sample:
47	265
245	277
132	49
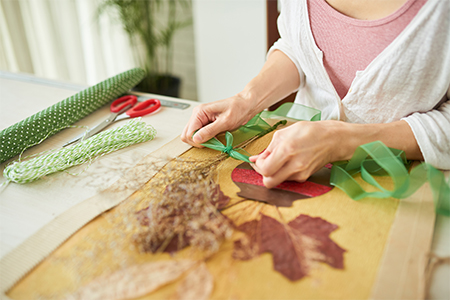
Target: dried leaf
219	199
294	246
186	215
134	281
197	285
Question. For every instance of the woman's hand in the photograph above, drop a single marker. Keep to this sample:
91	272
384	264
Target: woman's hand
277	79
298	151
213	118
301	149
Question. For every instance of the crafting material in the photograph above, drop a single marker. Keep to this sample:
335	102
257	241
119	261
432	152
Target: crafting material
134	131
215	144
186	211
375	159
30	131
251	185
104	246
122	108
294	246
134	281
294	111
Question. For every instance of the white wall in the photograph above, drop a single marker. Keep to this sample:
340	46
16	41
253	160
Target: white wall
230	45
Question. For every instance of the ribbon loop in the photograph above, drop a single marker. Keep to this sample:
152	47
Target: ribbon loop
376	159
229	147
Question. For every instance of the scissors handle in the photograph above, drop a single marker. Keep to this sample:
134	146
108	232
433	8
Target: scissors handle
122	102
144	108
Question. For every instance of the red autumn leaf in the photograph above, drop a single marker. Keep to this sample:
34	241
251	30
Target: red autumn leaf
294	246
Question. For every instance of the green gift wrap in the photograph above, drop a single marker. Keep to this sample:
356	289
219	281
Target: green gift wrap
32	130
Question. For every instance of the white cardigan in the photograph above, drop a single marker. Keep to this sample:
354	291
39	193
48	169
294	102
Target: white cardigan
409	80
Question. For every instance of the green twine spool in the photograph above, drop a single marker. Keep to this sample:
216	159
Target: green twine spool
135	131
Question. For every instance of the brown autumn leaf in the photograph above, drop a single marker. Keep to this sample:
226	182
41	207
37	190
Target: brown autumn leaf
197	285
134	281
294	246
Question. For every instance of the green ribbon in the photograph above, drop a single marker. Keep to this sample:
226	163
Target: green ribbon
297	112
376	159
258	127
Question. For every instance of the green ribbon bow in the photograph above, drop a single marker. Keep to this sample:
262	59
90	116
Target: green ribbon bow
215	144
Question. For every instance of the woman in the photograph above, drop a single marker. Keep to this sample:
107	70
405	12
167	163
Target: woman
378	70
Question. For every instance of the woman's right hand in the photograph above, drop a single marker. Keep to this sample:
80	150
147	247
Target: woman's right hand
213	118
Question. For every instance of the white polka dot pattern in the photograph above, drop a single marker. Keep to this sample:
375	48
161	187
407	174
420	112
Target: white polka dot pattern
30	131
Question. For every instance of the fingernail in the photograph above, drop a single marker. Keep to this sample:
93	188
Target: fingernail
197	138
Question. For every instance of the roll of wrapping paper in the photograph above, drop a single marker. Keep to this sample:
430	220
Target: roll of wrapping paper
32	130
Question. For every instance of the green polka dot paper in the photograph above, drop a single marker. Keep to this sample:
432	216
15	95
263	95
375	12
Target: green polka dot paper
30	131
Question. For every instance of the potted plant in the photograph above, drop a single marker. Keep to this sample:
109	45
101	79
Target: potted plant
151	25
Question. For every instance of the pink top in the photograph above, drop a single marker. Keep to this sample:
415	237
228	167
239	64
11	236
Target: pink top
339	38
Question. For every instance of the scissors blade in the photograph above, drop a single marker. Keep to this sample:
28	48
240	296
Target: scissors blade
97	128
94	130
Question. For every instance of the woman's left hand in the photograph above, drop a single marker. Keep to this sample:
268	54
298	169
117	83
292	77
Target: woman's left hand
298	151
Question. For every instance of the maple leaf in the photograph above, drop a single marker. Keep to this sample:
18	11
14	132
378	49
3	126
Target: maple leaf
294	246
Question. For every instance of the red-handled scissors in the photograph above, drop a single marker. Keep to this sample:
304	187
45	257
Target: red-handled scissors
122	108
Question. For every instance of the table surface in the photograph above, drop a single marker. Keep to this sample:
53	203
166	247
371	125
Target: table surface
24	209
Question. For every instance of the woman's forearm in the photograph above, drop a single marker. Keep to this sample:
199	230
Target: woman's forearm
277	79
396	135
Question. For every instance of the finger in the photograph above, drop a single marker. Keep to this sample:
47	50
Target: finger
262	155
187	138
209	131
197	120
277	178
195	123
288	172
269	163
292	170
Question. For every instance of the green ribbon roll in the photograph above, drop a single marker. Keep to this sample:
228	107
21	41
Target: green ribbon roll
376	159
258	127
32	130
